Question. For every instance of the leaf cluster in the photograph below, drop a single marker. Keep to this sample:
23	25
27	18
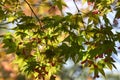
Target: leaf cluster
43	44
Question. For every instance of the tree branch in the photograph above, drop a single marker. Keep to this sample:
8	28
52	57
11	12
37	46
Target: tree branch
34	13
76	6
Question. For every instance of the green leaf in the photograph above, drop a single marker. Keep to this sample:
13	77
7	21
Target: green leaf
9	43
80	40
117	14
1	14
27	26
21	34
96	73
102	72
60	4
106	20
52	78
109	65
114	65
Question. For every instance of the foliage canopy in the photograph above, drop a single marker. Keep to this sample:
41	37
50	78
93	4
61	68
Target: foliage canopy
44	38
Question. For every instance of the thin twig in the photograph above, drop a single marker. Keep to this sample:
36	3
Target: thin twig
79	13
76	6
34	13
38	21
94	4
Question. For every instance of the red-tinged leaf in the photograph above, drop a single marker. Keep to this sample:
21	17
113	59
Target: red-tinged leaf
90	62
95	66
95	11
90	3
83	61
43	68
100	56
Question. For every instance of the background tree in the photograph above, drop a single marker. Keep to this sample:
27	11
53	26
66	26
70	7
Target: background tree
44	38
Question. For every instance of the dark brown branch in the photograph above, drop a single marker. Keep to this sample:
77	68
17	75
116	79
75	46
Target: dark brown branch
34	13
76	6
